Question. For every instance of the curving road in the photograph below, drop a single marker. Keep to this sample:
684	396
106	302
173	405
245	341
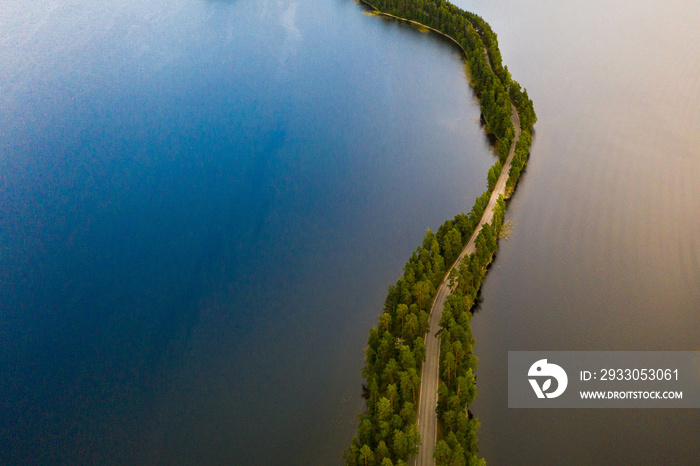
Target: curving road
427	417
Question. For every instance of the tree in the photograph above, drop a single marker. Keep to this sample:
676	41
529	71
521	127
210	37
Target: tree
408	413
415	384
443	453
449	418
407	358
392	393
413	439
365	431
384	430
449	365
400	444
458	456
373	393
382	452
406	386
428	239
366	455
384	409
471	440
351	454
466	388
419	350
423	323
391	370
386	346
438	268
402	311
443	394
385	321
494	173
411	328
446	314
422	292
397	422
457	348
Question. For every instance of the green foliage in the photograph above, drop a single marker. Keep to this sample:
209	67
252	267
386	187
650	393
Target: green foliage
387	432
443	453
396	349
494	173
522	152
366	455
491	81
457	390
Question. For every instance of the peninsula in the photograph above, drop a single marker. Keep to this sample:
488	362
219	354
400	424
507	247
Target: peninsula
425	327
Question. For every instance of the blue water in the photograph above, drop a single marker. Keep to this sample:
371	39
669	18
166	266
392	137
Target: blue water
201	206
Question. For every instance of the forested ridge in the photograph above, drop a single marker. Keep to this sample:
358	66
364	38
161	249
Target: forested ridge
387	433
491	80
457	429
395	348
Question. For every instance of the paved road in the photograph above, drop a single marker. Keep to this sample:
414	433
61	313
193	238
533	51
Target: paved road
427	417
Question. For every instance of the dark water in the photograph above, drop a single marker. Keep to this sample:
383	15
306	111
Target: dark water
605	250
201	206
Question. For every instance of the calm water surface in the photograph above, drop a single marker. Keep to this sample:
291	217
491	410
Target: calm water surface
202	203
201	206
605	251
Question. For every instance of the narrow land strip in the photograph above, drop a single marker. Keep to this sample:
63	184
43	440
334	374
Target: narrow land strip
430	378
427	416
379	12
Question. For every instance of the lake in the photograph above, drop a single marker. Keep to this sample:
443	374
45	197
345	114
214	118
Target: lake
202	204
605	249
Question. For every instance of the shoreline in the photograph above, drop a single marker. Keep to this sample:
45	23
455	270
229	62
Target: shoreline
428	419
379	12
429	388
